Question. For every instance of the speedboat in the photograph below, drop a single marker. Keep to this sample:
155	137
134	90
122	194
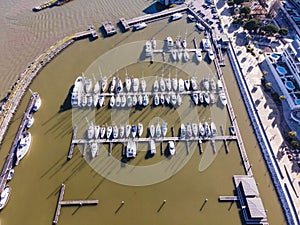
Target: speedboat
143	85
30	121
101	100
174	54
90	133
129	101
162	84
195	129
176	16
134	100
4	197
152	130
195	98
189	130
206	44
127	130
135	84
156	100
167	98
118	101
205	83
212	98
158	130
187	84
140	99
121	131
115	132
173	99
94	149
191	17
211	55
152	147
119	87
168	84
179	99
103	81
127	83
232	130
23	146
133	130
102	131
206	98
123	101
186	56
96	99
131	149
146	100
198	55
155	85
97	131
174	83
207	129
164	128
108	132
200	27
37	104
201	130
194	84
139	26
169	42
182	131
213	129
140	129
172	148
112	101
113	85
162	99
219	85
223	98
201	98
180	85
89	100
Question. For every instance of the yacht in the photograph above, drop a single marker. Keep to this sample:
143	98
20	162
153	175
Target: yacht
186	56
194	84
198	55
146	100
77	91
195	129
156	100
162	99
152	130
174	54
108	132
205	83
176	16
223	98
4	197
127	83
101	100
200	27
182	131
187	84
135	84
10	175
97	87
115	132
140	99
195	98
139	26
30	121
133	130
172	148
140	129
168	83
179	99
122	131
207	129
129	101
201	130
206	98
175	83
152	147
127	130
201	98
212	84
143	85
89	100
102	131
158	130
155	85
118	101
123	101
167	98
134	100
206	44
164	128
87	84
131	149
169	42
213	129
191	17
23	146
90	133
189	130
211	55
119	87
173	99
148	48
97	131
94	149
96	100
113	85
180	85
84	100
37	104
162	84
112	101
103	81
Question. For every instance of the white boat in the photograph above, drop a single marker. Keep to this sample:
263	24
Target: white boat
10	175
140	129
101	100
96	99
232	130
182	131
175	83
194	84
219	85
4	197
156	100
198	55
201	98
162	84
179	54
155	85
186	56
153	42
129	101
213	129
37	104
200	27
201	130
212	98
143	85
205	83
189	130
173	99
77	92
97	131
168	84
148	48
127	83
133	130
174	54
97	87
139	26
212	84
152	130
89	100
206	98
115	132
179	99
140	99
112	101
195	129
119	87
167	98
195	98
90	133
135	84
134	100
108	132
164	128
118	101
172	148
176	16
127	130
94	149
87	84
211	55
146	100
170	42
152	147
123	101
84	100
162	99
187	84
131	149
191	17
121	131
30	121
103	81
206	44
158	130
180	85
207	129
23	146
113	85
223	98
178	41
184	43
102	131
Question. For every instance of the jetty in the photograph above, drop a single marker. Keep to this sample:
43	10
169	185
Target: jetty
109	28
71	148
11	154
61	202
91	31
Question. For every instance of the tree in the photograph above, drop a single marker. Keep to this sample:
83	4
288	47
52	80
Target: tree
283	31
252	24
292	133
230	3
246	10
270	29
282	97
238	2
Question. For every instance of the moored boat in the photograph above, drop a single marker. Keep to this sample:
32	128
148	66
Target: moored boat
168	83
140	129
127	130
4	197
164	128
97	131
186	56
158	130
135	84
119	87
187	84
201	98
101	100
37	103
179	99
123	101
118	101
176	16
143	85
194	84
121	131
201	130
30	121
89	100
127	83
10	175
212	98
189	130
180	85
219	85
169	42
200	27
152	147
139	26
155	85
175	83
129	101
112	101
103	81
195	129
131	149
195	98
211	55
90	133
146	100
182	131
206	98
156	100
108	132
173	99
140	99
102	131
94	149
212	84
133	130
134	100
152	130
113	85
198	55
172	148
207	129
232	130
115	132
174	54
23	146
162	99
162	84
205	84
223	98
213	129
167	98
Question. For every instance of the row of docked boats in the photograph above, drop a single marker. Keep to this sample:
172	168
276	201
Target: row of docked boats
206	45
204	130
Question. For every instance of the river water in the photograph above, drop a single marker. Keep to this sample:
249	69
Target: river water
185	181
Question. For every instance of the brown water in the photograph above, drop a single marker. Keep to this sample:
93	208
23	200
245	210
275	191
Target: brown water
40	174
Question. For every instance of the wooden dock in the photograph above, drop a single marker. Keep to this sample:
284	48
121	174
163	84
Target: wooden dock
225	141
228	198
11	154
61	202
71	148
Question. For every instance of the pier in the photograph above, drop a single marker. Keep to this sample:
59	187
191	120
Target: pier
228	198
11	154
71	149
109	28
91	31
61	202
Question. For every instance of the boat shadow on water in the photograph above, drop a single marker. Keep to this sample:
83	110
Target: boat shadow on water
67	102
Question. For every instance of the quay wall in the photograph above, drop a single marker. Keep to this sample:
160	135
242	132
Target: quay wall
273	167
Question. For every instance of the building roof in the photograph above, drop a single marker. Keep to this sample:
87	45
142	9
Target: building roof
256	208
249	186
296	48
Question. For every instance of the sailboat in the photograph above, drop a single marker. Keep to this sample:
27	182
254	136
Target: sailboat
140	129
195	129
180	85
118	101
152	147
194	83
158	130
101	100
155	85
182	131
94	149
162	84
168	83
187	84
152	130
164	128
113	85
112	101
143	85
127	130
127	83
195	98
